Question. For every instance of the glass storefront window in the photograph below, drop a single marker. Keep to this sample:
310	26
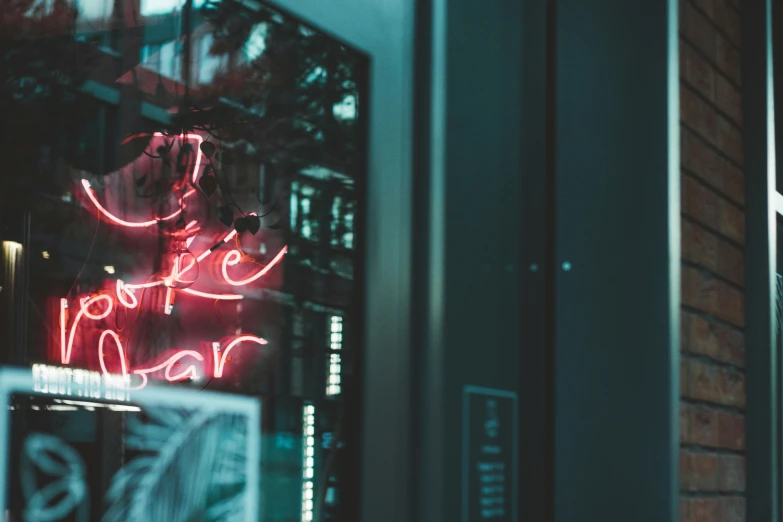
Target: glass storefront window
182	185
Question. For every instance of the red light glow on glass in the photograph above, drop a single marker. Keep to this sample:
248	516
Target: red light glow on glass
99	307
127	298
65	351
90	193
120	352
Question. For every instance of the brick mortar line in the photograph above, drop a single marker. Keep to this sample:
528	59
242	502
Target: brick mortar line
701	449
710	318
719	277
737	46
707	449
701	181
710	62
699	495
722	322
729	240
686	354
713	105
714	405
717	149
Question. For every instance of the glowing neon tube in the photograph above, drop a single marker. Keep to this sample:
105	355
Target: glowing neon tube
90	193
96	317
120	351
233	257
167	304
63	325
221	361
207	252
122	292
208	295
217	245
66	356
189	241
126	290
169	364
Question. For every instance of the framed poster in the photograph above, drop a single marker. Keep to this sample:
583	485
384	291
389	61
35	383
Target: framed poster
81	447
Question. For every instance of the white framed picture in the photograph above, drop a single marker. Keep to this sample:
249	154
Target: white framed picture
78	446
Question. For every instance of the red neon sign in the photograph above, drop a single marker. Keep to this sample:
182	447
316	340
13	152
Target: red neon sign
97	308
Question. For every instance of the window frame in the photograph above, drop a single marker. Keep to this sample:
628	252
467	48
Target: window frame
763	370
383	31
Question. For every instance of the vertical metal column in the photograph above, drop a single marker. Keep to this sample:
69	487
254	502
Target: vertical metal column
762	364
618	261
471	346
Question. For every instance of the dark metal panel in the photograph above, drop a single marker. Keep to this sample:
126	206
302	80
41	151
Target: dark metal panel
537	251
473	220
427	375
760	250
618	255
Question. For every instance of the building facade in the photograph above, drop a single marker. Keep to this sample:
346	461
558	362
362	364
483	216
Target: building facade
526	275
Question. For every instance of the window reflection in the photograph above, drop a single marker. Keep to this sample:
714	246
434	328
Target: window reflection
111	104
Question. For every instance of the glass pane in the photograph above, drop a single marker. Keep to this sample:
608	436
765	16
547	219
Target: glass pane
182	186
184	456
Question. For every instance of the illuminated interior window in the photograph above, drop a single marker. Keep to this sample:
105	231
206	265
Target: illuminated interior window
342	222
150	56
335	224
210	64
345	109
294	205
308	463
334	360
348	236
307	229
303	221
166	58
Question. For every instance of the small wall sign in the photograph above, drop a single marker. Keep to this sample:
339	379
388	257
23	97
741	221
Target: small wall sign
490	441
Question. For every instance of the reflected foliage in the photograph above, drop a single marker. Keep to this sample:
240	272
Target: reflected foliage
41	64
284	98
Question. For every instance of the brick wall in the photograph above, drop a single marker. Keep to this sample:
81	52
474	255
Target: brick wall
712	433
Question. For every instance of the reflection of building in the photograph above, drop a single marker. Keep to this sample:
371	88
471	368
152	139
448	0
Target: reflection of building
137	81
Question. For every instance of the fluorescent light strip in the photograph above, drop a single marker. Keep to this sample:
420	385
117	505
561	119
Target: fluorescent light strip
112	407
334	361
308	461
